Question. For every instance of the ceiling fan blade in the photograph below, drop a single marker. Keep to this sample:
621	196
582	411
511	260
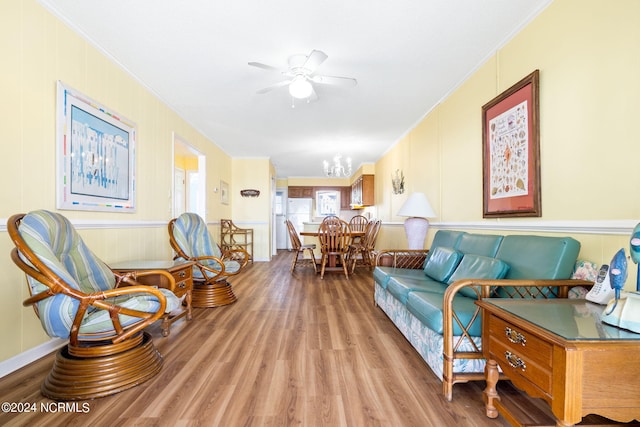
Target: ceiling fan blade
335	81
263	66
315	58
274	86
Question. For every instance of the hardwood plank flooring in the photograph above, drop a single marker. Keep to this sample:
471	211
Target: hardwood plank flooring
293	350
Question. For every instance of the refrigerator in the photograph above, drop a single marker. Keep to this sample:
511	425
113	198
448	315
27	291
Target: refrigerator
299	211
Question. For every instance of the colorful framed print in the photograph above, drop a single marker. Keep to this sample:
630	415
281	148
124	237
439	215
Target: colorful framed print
511	152
95	155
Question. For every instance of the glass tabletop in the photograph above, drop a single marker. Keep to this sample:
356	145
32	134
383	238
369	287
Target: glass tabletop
571	319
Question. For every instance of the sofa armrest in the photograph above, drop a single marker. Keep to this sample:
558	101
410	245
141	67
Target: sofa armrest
487	288
402	258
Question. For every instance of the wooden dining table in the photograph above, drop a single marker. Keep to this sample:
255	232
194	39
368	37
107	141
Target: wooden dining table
316	233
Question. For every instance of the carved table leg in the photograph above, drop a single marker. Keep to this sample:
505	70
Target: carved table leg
490	393
188	302
166	324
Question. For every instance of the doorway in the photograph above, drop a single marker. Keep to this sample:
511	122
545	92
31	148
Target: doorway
189	178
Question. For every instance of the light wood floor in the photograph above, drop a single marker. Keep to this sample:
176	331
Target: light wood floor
293	350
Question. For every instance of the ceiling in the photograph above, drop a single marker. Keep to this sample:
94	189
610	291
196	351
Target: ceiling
194	54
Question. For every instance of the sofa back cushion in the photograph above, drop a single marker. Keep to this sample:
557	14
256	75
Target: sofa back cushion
537	257
479	244
445	239
477	267
441	263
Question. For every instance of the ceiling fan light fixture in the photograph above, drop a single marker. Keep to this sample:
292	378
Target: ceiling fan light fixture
300	87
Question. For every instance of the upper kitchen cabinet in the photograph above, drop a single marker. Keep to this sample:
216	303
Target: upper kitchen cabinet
300	192
362	192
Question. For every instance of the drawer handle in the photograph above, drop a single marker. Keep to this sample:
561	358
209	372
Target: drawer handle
515	336
182	274
182	285
514	361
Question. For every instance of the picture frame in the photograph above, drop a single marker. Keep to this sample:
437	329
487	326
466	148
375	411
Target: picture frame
95	155
224	193
511	151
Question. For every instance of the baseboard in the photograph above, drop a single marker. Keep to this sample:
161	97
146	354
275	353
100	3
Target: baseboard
23	359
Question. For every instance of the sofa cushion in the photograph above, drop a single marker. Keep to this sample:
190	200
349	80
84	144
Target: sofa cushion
400	287
478	267
441	263
446	239
479	244
381	275
427	307
537	257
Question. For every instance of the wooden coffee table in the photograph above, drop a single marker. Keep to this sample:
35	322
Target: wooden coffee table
560	351
181	272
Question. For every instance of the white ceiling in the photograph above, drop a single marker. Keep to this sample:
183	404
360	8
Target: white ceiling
407	56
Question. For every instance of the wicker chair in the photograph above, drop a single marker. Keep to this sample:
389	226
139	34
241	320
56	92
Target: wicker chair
299	248
78	297
335	238
190	239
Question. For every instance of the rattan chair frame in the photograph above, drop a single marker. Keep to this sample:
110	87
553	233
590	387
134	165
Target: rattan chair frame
94	365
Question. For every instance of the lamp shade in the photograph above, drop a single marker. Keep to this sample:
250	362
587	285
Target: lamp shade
417	205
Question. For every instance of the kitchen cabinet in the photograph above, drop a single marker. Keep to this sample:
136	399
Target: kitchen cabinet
298	192
345	198
362	192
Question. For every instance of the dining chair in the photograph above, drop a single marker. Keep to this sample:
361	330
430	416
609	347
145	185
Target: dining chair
190	239
358	223
335	237
298	248
77	297
365	247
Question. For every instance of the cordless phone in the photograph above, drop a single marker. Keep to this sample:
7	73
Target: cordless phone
601	292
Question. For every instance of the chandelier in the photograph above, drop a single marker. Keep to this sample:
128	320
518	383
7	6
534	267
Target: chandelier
337	169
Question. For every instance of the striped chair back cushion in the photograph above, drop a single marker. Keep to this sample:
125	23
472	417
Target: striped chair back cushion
192	235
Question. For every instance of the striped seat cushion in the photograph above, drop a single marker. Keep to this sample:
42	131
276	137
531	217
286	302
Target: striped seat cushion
58	245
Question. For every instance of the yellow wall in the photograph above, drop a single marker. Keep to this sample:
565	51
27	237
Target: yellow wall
587	54
37	50
250	212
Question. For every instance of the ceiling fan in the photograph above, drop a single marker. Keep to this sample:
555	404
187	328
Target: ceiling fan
301	76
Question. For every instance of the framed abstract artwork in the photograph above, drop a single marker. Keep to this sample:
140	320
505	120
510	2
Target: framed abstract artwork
511	151
95	155
224	193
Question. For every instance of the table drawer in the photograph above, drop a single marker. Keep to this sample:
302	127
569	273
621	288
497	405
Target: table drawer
183	280
516	363
521	342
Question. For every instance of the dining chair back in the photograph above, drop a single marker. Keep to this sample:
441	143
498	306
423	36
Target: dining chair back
298	248
358	223
335	237
364	249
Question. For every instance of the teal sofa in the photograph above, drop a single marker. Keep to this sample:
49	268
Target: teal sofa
430	294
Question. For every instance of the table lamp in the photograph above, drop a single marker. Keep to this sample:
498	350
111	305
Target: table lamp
417	209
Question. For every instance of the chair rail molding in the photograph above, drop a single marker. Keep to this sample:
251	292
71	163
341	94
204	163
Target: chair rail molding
616	227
